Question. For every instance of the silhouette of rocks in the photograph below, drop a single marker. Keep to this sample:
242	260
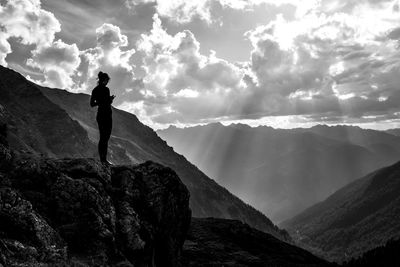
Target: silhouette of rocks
76	211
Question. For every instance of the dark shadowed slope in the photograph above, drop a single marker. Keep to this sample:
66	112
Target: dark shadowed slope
282	172
360	216
66	126
387	255
36	124
395	131
220	242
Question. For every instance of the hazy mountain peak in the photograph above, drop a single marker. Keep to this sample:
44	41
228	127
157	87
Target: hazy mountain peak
283	171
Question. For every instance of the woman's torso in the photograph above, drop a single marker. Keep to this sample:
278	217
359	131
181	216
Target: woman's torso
103	99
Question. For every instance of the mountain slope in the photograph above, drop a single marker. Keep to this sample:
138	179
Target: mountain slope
360	216
280	172
387	255
395	131
221	242
35	123
64	125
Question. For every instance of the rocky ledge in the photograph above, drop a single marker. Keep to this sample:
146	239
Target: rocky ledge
78	212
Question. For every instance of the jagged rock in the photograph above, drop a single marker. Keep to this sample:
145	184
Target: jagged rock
164	213
24	235
124	215
5	155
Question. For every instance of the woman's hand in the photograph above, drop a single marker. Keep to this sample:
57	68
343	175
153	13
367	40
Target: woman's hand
112	98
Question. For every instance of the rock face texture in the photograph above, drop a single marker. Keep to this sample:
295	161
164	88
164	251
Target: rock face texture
78	212
221	242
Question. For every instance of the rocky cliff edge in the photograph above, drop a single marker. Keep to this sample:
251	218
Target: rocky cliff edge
59	212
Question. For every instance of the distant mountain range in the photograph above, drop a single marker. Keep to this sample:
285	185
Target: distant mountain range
395	131
360	216
56	123
281	172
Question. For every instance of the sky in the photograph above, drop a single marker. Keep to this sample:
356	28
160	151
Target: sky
285	64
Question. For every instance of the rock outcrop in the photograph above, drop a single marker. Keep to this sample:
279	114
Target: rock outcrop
78	212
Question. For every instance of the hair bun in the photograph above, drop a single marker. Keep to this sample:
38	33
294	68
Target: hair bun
102	76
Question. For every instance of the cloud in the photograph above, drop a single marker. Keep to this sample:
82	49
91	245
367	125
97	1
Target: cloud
180	11
181	84
185	11
323	64
5	48
58	62
317	64
26	20
109	37
323	60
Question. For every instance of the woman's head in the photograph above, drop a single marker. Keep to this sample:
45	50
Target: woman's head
103	78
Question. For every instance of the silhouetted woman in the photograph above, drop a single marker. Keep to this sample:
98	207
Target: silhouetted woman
101	97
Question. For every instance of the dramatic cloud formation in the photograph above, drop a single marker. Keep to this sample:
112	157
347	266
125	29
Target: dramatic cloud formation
24	19
5	48
58	62
108	56
31	25
184	11
330	61
180	84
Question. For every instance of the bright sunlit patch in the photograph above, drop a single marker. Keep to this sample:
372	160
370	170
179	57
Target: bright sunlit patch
336	69
302	95
283	122
382	98
146	93
341	94
187	93
346	96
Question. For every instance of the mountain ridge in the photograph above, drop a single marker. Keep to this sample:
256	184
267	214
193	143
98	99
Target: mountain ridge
283	171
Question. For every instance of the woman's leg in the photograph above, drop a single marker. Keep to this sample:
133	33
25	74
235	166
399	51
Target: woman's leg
105	127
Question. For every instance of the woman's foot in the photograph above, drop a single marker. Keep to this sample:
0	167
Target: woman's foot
106	162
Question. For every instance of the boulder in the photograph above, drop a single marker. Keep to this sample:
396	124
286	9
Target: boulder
76	211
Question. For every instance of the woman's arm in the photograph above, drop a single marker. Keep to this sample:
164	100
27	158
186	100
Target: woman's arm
112	99
93	101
